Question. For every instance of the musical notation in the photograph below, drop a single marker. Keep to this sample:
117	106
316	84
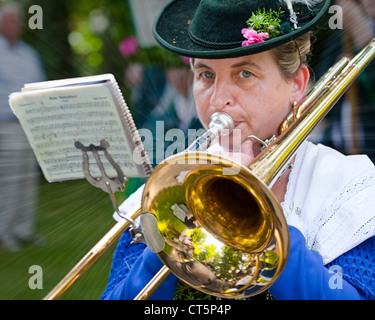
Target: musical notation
55	118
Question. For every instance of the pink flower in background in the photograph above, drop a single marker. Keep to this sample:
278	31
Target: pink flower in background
253	37
185	60
128	46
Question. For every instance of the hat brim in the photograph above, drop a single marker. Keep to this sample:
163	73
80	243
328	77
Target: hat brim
171	32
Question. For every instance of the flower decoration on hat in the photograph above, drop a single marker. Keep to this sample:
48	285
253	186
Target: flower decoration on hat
218	29
262	25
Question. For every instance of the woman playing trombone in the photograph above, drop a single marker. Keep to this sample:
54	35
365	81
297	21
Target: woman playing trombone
250	60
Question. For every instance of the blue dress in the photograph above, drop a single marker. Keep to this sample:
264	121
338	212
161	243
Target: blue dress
357	265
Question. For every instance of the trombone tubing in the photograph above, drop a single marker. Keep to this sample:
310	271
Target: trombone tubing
319	102
313	109
219	123
88	260
349	74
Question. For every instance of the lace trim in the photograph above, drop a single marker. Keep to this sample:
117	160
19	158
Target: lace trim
332	208
353	187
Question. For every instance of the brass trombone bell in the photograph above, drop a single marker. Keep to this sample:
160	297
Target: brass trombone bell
224	235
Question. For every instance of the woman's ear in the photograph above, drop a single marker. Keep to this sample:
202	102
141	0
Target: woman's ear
300	83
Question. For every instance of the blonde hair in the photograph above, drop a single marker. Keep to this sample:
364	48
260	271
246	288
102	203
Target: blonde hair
292	55
289	56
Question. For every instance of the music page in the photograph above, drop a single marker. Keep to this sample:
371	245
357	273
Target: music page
55	118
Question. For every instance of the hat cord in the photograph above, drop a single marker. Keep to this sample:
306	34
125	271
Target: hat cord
213	45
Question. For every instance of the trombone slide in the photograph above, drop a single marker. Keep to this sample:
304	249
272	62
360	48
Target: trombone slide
266	167
88	260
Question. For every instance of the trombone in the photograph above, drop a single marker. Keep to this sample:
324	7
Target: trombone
208	203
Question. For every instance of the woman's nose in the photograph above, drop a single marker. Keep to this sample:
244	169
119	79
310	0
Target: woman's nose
222	94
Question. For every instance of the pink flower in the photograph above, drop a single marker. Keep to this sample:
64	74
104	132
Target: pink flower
185	60
249	33
253	37
128	46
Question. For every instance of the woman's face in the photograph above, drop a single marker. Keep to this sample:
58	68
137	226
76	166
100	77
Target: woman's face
250	89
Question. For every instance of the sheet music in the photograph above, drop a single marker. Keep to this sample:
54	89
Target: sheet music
54	118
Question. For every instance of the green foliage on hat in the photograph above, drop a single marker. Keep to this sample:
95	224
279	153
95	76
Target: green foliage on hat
266	21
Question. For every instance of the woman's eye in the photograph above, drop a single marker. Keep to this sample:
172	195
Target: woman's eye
207	74
245	74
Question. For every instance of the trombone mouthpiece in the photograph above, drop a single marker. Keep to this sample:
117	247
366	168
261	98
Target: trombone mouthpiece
222	122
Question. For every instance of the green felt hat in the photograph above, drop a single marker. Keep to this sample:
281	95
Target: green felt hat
217	29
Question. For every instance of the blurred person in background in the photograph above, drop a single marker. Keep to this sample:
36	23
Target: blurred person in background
19	64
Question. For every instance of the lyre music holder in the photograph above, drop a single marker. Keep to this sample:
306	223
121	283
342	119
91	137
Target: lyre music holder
107	184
